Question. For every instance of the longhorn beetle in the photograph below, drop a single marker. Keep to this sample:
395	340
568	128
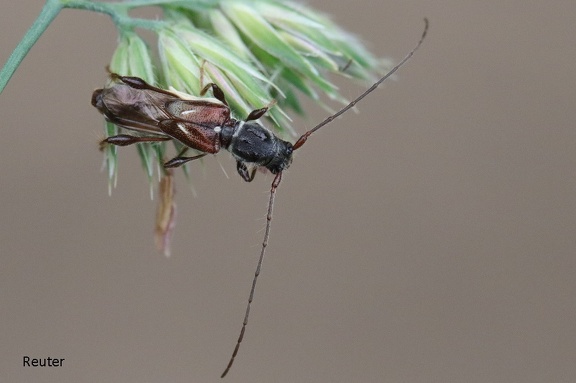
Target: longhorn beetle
205	124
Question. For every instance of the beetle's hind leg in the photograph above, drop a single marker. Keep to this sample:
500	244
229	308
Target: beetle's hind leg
179	160
127	139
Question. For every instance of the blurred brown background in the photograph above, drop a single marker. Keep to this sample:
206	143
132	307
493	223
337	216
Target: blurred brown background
430	238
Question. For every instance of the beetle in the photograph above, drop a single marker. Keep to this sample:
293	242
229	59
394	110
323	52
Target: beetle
205	124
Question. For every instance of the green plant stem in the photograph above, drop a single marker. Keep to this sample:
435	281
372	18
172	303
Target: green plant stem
48	13
117	11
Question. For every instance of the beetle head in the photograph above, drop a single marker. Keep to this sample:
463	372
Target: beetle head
283	159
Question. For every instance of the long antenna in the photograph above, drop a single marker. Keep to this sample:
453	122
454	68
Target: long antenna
328	120
276	183
273	188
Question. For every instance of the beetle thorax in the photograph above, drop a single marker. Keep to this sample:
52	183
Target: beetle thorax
252	143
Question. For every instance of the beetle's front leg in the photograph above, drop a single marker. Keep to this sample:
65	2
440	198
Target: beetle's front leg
257	113
247	175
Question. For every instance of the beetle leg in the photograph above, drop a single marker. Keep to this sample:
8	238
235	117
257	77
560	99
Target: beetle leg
247	175
134	82
257	113
179	161
216	91
126	139
183	151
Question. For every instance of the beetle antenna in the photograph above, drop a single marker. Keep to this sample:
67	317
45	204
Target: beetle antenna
278	178
273	188
328	120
